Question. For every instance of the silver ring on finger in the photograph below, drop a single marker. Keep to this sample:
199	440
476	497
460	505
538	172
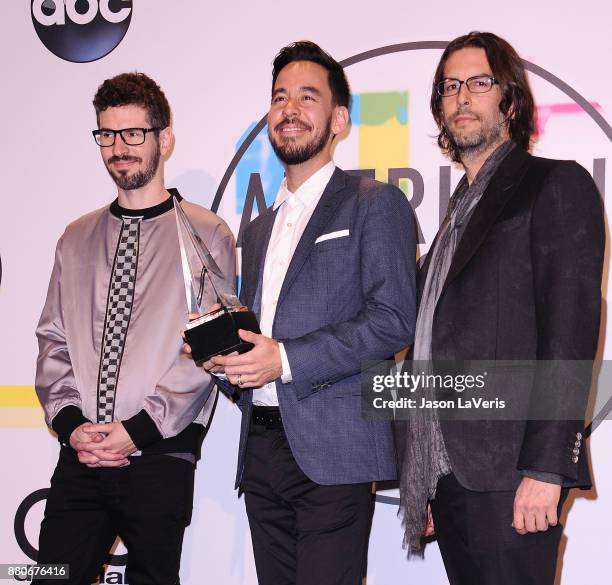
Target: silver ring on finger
239	380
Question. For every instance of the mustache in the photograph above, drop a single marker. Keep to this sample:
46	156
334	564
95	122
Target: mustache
464	113
292	122
123	157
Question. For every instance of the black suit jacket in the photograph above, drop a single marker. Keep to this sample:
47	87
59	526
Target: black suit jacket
524	284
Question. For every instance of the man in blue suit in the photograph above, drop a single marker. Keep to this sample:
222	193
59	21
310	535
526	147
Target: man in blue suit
330	271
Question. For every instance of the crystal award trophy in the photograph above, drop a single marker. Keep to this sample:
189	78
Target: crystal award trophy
216	332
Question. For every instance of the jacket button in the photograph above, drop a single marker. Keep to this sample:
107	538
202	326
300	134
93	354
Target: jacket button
576	451
575	458
579	436
577	444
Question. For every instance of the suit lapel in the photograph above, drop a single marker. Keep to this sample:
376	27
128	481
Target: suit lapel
259	245
324	211
500	190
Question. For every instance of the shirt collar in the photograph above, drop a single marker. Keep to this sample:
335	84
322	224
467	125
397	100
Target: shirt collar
309	190
149	212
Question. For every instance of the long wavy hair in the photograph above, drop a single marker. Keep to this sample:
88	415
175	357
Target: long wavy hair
517	103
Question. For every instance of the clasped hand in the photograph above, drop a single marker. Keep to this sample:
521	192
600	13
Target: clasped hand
102	445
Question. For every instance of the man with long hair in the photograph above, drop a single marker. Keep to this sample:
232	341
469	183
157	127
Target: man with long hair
513	274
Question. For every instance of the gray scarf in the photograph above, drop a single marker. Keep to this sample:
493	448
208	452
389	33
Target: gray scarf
422	456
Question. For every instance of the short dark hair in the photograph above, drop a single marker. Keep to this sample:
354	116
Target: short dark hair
509	71
134	89
309	51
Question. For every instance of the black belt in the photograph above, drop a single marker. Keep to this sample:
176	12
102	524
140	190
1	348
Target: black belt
267	416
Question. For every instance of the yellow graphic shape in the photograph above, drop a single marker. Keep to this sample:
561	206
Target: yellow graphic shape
19	407
383	132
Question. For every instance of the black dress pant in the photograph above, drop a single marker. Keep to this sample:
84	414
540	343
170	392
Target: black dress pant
147	503
303	533
479	545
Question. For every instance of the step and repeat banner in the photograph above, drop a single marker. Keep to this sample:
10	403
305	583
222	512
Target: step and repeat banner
213	61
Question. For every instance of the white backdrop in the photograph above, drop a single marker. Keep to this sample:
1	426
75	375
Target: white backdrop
214	62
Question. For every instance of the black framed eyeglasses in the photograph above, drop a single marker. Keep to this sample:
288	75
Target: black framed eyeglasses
131	136
476	84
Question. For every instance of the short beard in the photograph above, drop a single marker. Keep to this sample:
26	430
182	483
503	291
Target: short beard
291	154
474	144
137	180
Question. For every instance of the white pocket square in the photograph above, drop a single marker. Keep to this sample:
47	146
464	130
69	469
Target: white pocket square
332	235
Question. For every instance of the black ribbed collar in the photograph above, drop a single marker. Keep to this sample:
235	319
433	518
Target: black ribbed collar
148	212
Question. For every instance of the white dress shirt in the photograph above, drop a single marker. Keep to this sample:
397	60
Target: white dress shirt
294	213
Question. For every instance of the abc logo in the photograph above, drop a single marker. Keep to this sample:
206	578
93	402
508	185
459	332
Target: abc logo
81	30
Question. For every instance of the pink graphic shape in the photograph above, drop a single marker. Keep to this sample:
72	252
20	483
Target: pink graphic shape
545	112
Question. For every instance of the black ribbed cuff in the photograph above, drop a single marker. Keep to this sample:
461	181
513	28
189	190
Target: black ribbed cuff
66	420
142	430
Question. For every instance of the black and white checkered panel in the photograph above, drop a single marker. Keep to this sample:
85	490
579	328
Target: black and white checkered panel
118	313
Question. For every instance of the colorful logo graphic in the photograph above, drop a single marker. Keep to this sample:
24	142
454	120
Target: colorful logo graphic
81	30
381	120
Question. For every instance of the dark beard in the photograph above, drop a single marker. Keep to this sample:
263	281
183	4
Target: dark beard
477	143
474	144
137	180
290	154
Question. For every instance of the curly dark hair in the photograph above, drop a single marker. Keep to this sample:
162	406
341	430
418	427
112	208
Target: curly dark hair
134	89
517	100
309	51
